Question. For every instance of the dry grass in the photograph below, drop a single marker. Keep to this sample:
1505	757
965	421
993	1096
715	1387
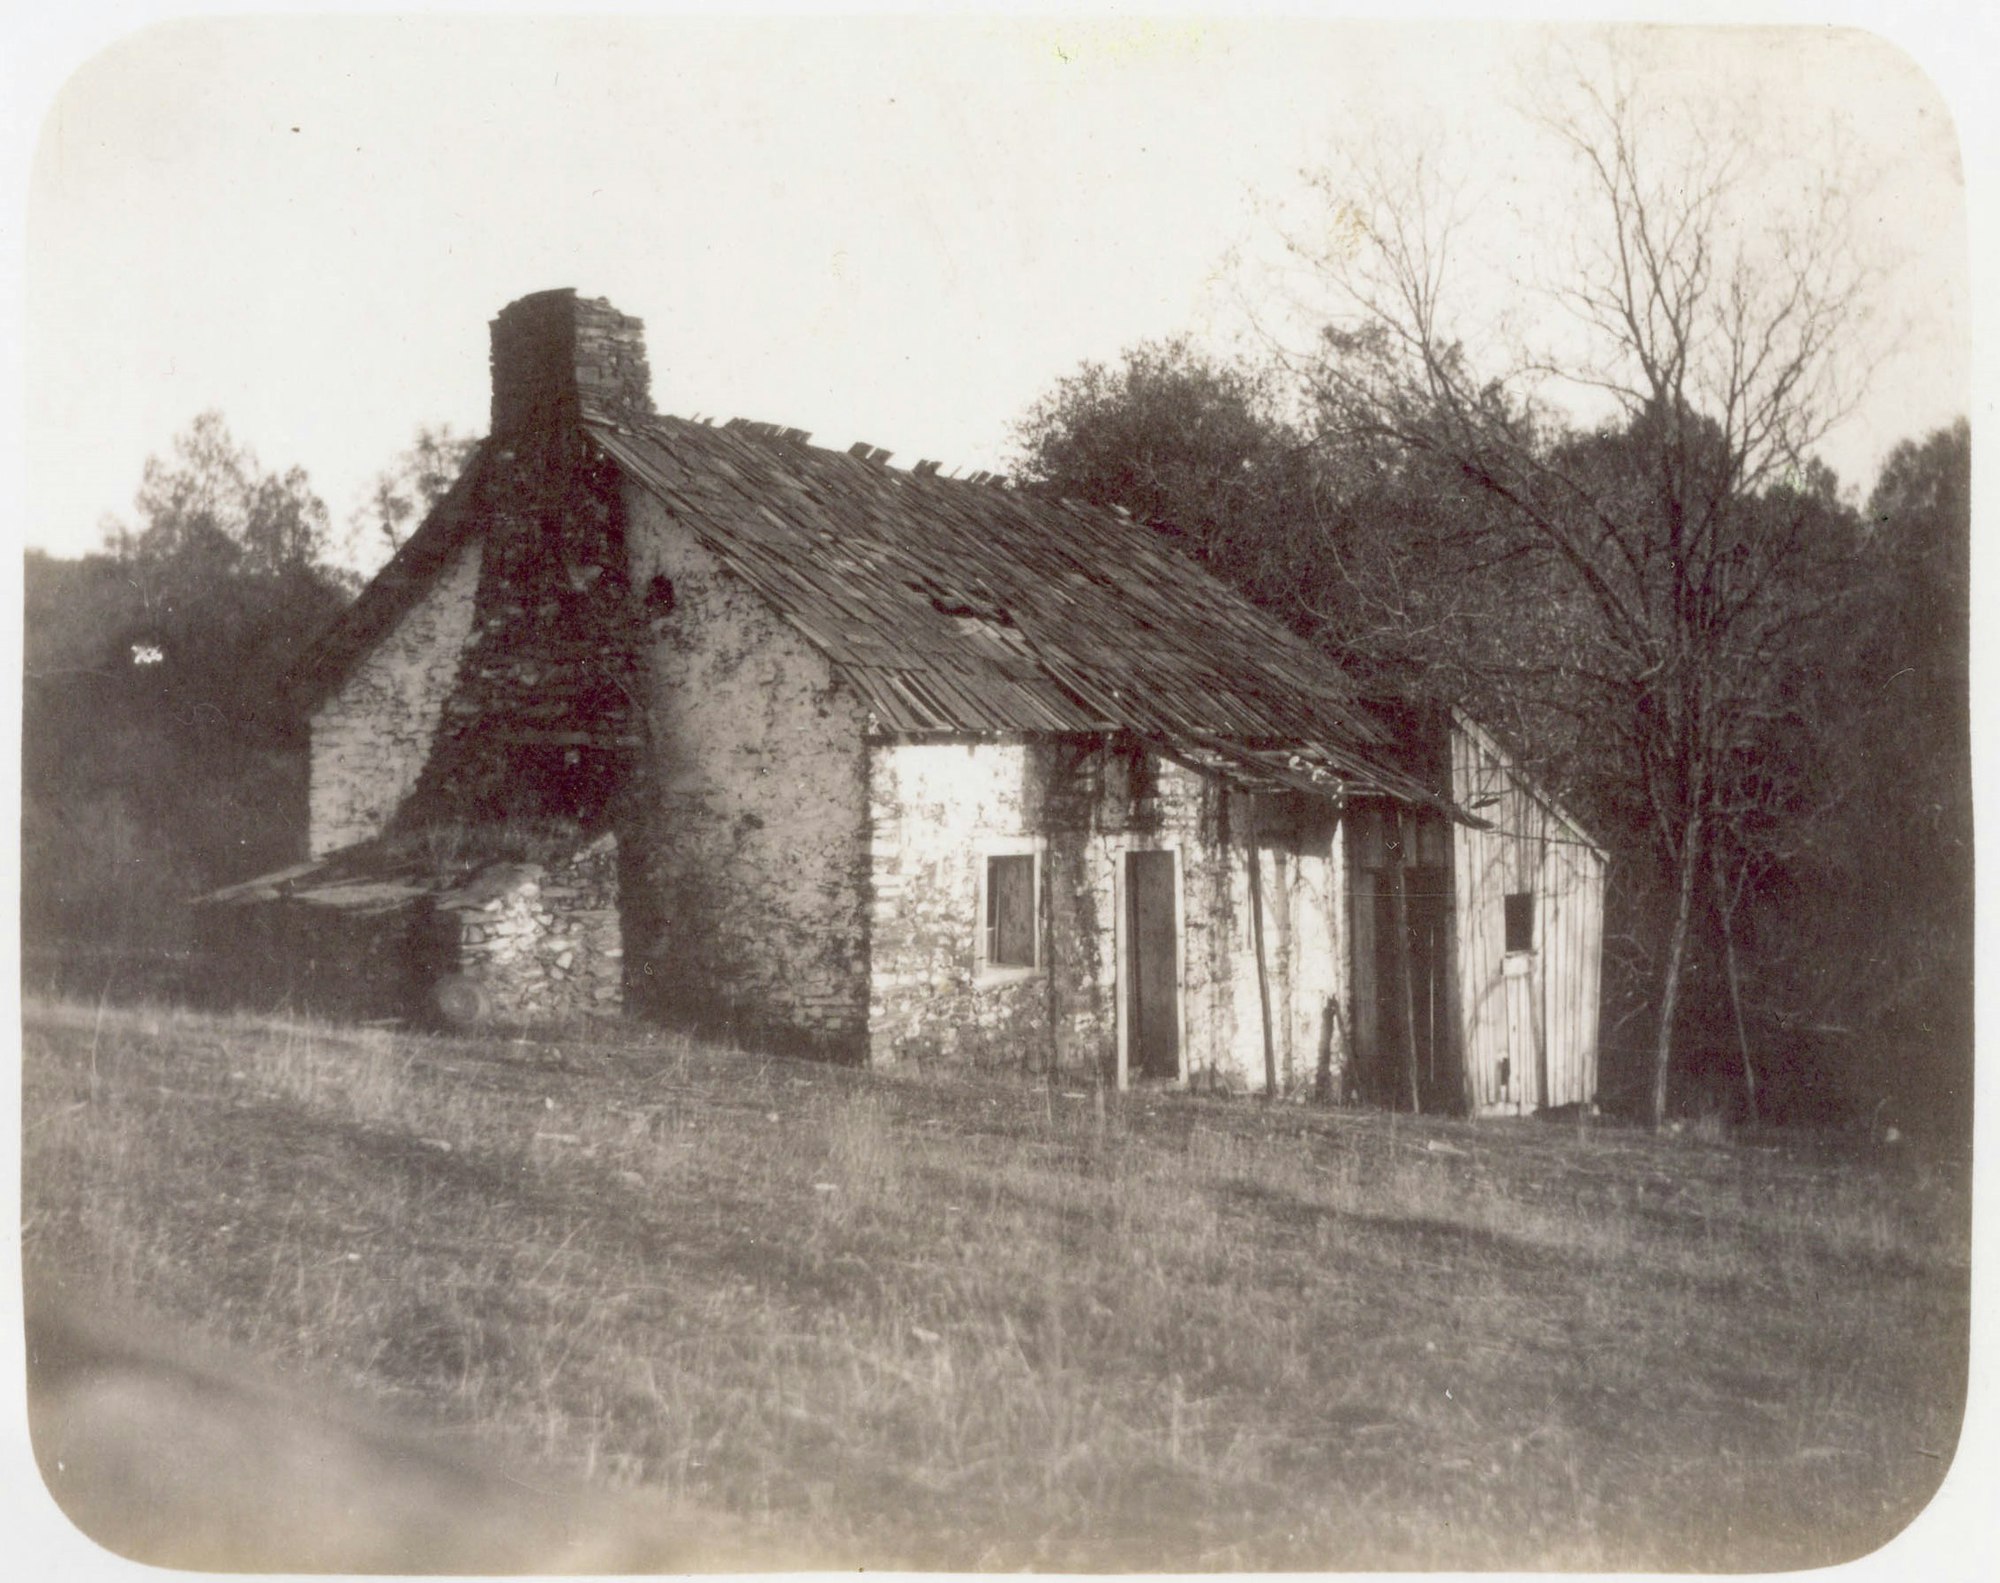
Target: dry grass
918	1324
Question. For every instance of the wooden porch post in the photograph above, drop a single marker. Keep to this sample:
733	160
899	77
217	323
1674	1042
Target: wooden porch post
1399	947
1263	974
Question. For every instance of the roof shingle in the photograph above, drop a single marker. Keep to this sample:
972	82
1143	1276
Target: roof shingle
959	606
962	606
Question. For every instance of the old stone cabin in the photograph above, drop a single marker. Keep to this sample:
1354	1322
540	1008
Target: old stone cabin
705	724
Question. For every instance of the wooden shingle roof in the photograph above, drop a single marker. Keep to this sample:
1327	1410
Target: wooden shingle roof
954	605
962	606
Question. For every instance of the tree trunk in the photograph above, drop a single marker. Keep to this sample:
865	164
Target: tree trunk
1736	1009
1726	917
1670	986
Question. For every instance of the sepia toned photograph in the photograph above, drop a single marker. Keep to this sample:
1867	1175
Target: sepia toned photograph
1089	793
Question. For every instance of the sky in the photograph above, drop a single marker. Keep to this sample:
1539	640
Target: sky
896	229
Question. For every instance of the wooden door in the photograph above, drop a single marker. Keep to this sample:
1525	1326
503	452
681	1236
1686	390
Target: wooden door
1383	1040
1428	903
1521	1076
1152	1007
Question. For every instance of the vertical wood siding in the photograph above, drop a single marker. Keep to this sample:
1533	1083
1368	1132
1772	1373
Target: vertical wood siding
1527	1022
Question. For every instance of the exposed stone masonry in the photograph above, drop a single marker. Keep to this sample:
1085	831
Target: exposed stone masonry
542	941
373	736
940	810
544	718
557	355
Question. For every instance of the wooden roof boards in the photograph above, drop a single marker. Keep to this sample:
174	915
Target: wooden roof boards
962	605
954	605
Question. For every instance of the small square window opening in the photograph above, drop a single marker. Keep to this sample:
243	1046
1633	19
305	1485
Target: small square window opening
1521	921
1010	911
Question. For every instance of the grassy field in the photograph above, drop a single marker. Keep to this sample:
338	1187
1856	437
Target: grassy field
905	1323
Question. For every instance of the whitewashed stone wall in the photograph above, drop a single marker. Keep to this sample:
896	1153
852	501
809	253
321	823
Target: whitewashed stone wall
371	738
745	908
938	811
1305	953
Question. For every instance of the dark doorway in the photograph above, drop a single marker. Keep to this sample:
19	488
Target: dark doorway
1427	901
1153	1020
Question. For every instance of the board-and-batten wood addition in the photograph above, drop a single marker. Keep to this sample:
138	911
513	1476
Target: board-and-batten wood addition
1475	941
1528	1015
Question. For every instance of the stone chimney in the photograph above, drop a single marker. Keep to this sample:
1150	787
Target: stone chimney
558	357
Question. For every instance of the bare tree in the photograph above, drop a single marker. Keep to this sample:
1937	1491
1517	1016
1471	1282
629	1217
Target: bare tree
1391	564
1717	349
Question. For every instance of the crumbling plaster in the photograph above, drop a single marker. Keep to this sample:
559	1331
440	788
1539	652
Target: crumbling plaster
938	810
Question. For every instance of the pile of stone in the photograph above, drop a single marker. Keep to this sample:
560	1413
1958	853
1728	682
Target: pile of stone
537	941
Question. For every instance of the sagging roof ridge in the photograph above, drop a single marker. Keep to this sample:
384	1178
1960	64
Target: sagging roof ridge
1334	742
1330	735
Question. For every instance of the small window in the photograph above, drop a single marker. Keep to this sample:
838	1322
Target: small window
1521	921
1010	911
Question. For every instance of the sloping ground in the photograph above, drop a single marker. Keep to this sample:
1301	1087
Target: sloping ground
896	1322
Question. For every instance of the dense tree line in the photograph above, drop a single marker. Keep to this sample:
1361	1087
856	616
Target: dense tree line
157	759
1753	690
1827	945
